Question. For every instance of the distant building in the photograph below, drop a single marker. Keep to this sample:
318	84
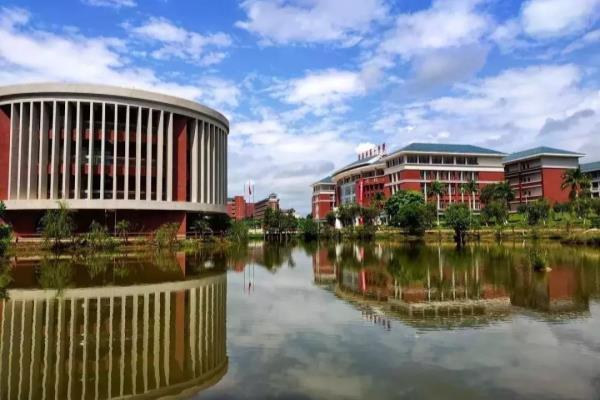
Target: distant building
323	198
261	206
538	173
417	165
593	170
360	181
237	208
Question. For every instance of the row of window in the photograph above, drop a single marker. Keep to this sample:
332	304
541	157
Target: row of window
432	159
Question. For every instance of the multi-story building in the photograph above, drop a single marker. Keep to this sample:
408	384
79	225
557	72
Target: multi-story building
238	208
417	165
538	173
323	198
360	181
593	170
109	153
261	206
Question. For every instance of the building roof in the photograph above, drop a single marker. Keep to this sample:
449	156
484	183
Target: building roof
325	180
589	167
447	148
539	151
359	163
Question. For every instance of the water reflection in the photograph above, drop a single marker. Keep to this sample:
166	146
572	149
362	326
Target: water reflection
439	287
109	327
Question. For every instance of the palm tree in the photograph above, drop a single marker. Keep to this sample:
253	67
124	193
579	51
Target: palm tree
576	181
437	189
471	187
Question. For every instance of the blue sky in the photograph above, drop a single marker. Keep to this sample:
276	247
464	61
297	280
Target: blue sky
307	84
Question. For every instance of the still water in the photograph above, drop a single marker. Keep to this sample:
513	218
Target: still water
301	321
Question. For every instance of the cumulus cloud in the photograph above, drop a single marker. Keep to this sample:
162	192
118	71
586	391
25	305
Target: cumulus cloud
549	18
343	22
173	41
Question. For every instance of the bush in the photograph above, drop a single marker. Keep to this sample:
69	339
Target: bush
123	227
458	217
495	212
238	232
347	213
415	218
535	212
98	237
57	225
309	228
331	218
166	235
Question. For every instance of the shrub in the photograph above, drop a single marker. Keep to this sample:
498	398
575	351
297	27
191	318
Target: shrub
415	218
57	225
98	237
166	235
330	218
536	211
238	231
309	228
123	227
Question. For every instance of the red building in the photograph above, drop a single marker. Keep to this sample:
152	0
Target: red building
238	208
109	153
417	165
361	181
538	173
323	198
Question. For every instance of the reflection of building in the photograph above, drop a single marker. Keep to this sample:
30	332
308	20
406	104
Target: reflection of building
324	269
417	165
101	149
323	198
145	341
537	173
593	170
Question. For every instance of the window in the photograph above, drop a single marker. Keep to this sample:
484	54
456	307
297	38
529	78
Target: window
411	159
472	161
448	160
423	159
460	160
436	160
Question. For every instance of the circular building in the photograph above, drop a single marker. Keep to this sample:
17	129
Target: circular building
110	153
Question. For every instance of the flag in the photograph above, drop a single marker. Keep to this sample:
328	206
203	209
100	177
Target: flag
250	189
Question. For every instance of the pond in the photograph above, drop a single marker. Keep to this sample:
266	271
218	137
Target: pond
304	321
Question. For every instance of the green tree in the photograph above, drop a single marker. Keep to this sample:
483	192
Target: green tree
166	235
309	228
5	231
576	181
437	189
535	211
369	215
347	213
397	201
495	212
98	237
458	217
497	192
201	227
58	225
123	227
330	217
471	187
238	232
415	218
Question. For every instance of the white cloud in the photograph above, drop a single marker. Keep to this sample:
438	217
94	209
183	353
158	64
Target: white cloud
509	110
588	39
549	18
321	89
174	41
446	24
343	22
111	3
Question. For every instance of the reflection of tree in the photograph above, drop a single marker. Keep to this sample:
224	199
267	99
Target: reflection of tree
5	279
55	273
274	255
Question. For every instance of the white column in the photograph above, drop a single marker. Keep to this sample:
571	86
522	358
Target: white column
226	133
149	156
126	158
160	142
194	158
23	149
211	166
138	156
215	172
103	150
15	113
78	147
202	161
54	152
218	160
67	153
34	144
91	153
43	166
170	158
115	147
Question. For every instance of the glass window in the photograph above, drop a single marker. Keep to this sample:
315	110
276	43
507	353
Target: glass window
423	159
411	159
448	160
472	160
436	159
460	160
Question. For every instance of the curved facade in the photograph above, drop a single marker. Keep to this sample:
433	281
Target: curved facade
127	342
107	148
